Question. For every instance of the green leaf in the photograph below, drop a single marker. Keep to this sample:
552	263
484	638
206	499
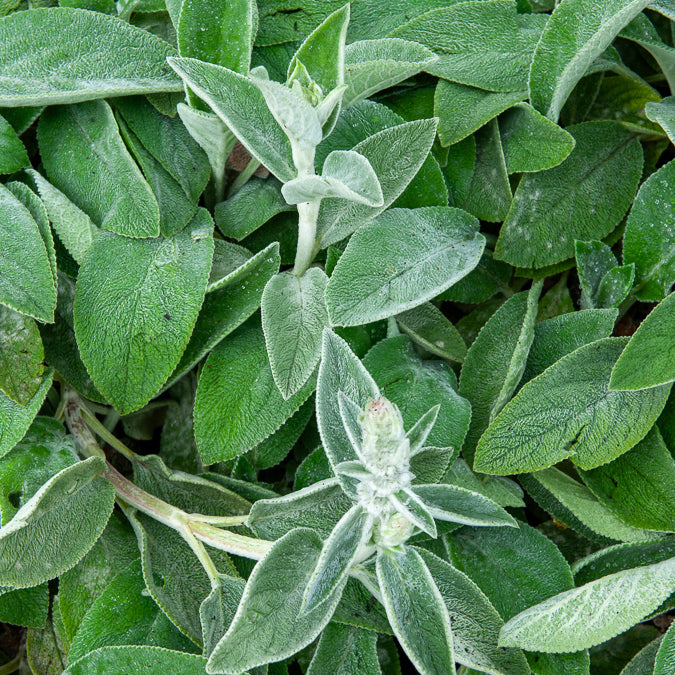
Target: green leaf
401	260
576	34
15	418
124	614
218	610
27	282
615	286
475	622
323	51
95	55
643	661
531	142
340	370
21	366
396	154
647	359
250	208
665	657
585	197
294	315
599	275
39	542
480	44
557	337
226	39
267	626
138	660
593	613
502	490
338	554
568	411
639	486
345	650
457	505
240	104
414	385
416	611
73	226
430	329
86	159
575	505
488	278
151	291
27	607
234	414
496	361
663	113
319	507
13	156
461	110
374	65
648	242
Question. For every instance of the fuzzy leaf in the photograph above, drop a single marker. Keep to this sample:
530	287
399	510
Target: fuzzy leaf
665	657
345	650
579	416
13	156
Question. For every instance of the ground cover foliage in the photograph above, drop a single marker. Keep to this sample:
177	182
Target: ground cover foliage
337	338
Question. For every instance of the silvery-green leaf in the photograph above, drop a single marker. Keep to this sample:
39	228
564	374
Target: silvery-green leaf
648	242
475	622
401	260
73	226
218	610
39	543
152	290
583	198
416	611
353	469
615	286
647	359
234	414
411	507
430	464
95	56
481	44
16	418
458	505
663	113
86	159
27	284
337	555
417	434
340	370
227	257
594	260
643	661
239	102
13	155
345	650
586	616
504	491
319	507
577	32
373	65
268	626
350	412
580	417
665	657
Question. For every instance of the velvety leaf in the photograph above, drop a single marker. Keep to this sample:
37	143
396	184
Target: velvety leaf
663	113
496	361
13	155
39	542
28	607
488	278
294	315
504	491
16	418
416	611
647	360
401	260
234	414
585	197
583	419
638	486
218	610
615	286
648	242
227	257
577	32
665	657
461	110
86	159
345	650
102	57
643	661
593	613
373	65
138	660
267	626
27	283
481	44
531	142
241	105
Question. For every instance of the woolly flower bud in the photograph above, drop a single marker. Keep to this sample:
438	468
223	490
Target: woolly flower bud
393	531
385	446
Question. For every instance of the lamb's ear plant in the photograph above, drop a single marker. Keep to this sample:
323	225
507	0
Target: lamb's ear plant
337	338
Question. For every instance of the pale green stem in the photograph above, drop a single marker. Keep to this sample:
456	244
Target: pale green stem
243	178
202	555
100	430
219	521
111	419
230	542
308	214
11	666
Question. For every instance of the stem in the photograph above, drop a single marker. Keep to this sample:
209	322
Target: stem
230	542
103	432
243	178
11	666
308	213
202	555
219	521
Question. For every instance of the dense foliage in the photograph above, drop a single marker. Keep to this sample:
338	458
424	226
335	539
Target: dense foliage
337	338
